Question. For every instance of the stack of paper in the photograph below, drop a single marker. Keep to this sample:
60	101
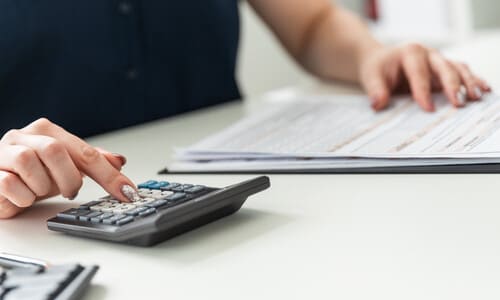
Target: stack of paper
322	134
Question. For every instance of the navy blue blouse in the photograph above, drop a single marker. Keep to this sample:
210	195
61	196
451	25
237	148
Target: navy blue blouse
98	65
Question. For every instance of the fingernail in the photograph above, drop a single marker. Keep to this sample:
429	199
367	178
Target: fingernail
73	198
477	92
461	98
129	192
120	157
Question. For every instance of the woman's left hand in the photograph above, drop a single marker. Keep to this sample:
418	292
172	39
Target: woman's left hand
419	70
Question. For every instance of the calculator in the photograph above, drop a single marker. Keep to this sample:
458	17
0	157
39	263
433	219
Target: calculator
163	210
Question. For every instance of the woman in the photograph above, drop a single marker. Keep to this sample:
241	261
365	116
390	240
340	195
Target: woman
96	65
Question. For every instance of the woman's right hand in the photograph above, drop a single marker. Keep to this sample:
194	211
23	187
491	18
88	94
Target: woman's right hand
43	160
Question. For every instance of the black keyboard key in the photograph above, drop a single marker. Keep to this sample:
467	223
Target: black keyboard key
124	221
147	212
112	220
72	214
195	189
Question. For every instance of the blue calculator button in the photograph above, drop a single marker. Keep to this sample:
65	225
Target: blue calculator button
158	185
147	184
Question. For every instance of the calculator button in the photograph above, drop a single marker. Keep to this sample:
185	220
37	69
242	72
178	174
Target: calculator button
98	219
170	186
124	221
101	206
72	214
146	200
147	212
158	185
147	184
89	216
136	211
195	189
89	204
157	203
161	196
145	194
176	197
123	207
112	220
107	209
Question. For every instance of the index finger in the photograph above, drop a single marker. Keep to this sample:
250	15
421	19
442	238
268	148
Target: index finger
87	158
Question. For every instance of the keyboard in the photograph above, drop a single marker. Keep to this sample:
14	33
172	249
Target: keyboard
26	278
163	210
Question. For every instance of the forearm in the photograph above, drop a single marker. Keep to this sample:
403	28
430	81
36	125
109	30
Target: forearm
335	46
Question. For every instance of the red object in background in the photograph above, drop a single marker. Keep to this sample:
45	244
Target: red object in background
371	9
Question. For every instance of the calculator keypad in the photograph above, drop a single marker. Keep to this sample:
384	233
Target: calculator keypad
154	195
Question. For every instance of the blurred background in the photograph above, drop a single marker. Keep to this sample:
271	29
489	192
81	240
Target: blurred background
437	23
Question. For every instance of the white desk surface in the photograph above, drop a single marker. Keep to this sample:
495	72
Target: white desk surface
308	237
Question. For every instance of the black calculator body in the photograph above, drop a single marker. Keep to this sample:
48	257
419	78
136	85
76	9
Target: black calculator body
165	210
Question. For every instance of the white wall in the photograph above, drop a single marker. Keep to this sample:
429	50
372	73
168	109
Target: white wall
263	64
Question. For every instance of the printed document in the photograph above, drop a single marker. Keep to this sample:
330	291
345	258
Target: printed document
323	132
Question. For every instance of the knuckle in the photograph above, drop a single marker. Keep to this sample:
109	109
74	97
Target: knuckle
7	181
52	148
9	135
25	158
42	125
414	48
90	154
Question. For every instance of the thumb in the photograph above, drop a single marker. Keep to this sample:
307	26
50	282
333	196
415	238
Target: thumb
377	88
115	159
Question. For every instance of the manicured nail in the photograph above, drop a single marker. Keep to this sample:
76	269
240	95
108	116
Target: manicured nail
122	158
477	92
130	193
461	98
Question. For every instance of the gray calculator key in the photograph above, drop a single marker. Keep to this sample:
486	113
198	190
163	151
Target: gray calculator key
176	197
171	186
157	203
195	189
89	204
112	220
147	212
72	214
136	211
91	215
98	219
124	221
